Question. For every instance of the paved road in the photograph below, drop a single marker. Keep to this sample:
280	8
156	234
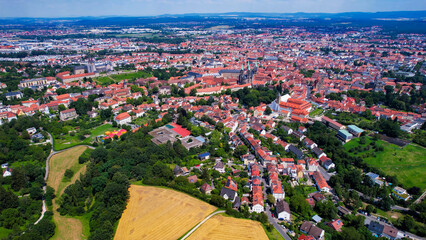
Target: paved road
420	198
326	174
272	220
278	227
199	224
52	152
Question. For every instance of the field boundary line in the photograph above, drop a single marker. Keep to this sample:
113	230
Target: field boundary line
200	223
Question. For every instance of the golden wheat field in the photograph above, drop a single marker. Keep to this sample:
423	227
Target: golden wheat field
222	228
159	213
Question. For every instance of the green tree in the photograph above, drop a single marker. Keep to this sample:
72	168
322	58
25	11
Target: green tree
69	173
271	198
19	179
268	110
326	209
61	107
218	201
240	150
36	193
10	218
350	233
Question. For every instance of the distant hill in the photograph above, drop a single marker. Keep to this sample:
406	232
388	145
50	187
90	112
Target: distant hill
395	22
353	15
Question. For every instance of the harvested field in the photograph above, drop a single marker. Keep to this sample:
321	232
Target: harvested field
66	227
221	228
159	213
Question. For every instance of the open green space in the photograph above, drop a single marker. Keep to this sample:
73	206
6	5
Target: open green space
408	164
118	77
316	112
68	140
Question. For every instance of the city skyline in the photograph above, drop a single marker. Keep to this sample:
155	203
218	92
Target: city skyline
78	8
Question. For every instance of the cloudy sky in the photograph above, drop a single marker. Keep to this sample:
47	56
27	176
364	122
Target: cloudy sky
74	8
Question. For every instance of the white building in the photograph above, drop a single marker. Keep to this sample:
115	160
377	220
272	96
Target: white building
283	210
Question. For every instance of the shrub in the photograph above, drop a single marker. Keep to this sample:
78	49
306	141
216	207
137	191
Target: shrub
69	173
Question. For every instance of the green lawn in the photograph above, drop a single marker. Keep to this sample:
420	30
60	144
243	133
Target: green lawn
408	163
316	112
68	141
104	80
131	75
272	235
118	77
4	232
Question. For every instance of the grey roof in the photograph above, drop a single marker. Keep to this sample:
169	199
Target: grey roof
345	133
317	218
219	165
317	151
12	93
375	227
177	170
296	151
236	203
230	193
310	229
355	128
373	176
229	71
282	206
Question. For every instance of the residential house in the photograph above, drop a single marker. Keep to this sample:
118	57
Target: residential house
283	210
123	118
336	224
277	190
305	237
248	159
7	172
228	194
309	143
68	114
320	182
296	151
13	95
192	179
219	166
342	211
178	171
383	230
206	188
288	130
401	193
231	184
319	152
312	165
312	230
204	156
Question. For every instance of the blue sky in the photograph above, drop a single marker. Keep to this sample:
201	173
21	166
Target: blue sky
74	8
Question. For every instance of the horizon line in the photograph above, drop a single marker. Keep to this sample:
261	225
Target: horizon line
201	13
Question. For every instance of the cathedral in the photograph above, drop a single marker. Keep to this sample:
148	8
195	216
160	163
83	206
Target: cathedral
246	75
